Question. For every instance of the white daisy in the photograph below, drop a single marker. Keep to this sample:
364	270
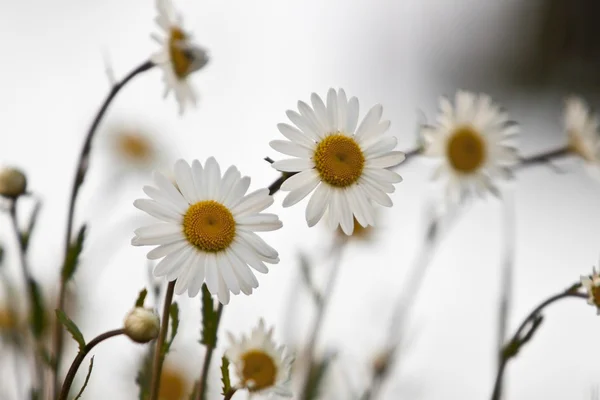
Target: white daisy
471	139
260	366
592	286
581	126
346	167
208	233
179	56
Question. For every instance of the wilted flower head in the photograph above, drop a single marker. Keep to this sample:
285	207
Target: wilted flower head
179	56
581	126
591	284
471	140
260	366
142	325
13	183
208	229
344	164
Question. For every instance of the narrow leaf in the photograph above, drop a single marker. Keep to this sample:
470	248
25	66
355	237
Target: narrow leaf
47	358
317	373
144	375
1	255
210	319
225	375
87	378
38	316
26	235
72	328
174	316
141	298
72	259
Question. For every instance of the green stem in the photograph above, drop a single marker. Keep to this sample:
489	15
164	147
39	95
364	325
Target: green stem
201	390
158	351
519	338
64	391
82	166
230	394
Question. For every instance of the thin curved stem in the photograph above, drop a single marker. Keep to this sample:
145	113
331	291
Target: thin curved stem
201	391
542	158
82	166
64	391
521	337
162	335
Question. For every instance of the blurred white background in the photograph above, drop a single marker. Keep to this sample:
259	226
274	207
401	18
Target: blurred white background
266	55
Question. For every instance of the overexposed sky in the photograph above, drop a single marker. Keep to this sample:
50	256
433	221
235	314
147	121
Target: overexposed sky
265	56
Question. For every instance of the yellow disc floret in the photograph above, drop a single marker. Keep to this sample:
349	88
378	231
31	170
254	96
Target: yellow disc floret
259	370
179	59
209	226
466	150
339	160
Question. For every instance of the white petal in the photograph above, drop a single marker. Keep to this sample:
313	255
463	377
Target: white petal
167	264
264	226
165	249
295	135
163	199
317	204
185	181
332	110
334	210
380	147
352	115
257	219
311	120
213	175
368	124
224	266
347	219
301	189
198	279
253	203
391	159
223	292
242	267
303	124
355	206
230	178
179	268
342	104
157	210
320	112
293	164
384	175
152	240
212	274
370	178
376	194
366	206
237	194
247	255
187	274
199	179
166	186
257	243
290	148
157	230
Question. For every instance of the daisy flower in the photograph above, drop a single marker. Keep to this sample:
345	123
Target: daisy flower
260	366
581	126
179	56
592	285
208	229
471	140
346	167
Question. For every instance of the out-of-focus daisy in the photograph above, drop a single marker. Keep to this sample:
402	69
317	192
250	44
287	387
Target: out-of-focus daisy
132	147
592	286
346	167
471	139
208	229
260	365
360	233
179	56
581	126
174	384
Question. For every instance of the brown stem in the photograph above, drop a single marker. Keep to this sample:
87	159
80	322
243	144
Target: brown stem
230	394
158	351
201	391
64	391
542	158
77	182
519	339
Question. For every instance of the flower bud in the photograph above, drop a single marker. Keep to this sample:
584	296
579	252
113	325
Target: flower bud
142	325
13	183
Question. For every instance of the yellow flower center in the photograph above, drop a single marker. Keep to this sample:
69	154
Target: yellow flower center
466	150
172	385
179	59
259	370
134	146
209	226
339	160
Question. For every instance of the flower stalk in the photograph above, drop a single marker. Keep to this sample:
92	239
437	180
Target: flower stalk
158	351
201	390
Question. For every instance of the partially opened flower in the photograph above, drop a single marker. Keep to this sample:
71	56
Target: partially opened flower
260	365
471	139
208	229
179	56
581	126
592	286
346	167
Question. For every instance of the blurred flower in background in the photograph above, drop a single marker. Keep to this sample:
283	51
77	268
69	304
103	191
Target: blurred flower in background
174	383
581	126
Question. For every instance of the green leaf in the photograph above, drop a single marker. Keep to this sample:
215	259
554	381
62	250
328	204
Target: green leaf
72	259
225	375
210	319
1	255
87	378
317	373
141	298
174	317
38	315
144	375
26	235
72	328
